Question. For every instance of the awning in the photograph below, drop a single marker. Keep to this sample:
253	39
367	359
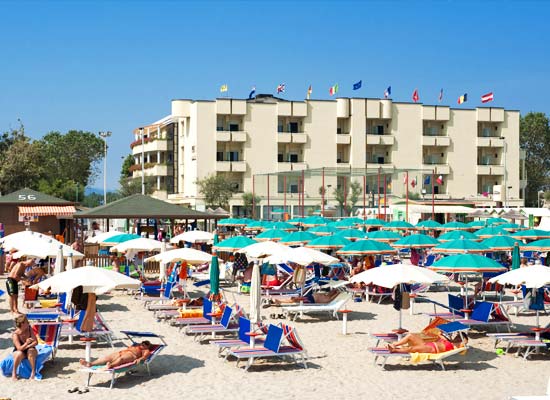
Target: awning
39	211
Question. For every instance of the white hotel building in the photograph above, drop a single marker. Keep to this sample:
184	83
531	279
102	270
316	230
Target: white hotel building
475	151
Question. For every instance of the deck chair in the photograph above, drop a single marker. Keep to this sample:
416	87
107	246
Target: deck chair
332	308
134	337
454	307
243	339
227	324
487	314
273	348
101	330
372	291
207	308
48	333
436	358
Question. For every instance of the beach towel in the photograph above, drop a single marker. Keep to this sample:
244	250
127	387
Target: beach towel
24	370
420	357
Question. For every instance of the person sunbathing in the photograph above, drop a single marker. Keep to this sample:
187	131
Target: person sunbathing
135	353
414	343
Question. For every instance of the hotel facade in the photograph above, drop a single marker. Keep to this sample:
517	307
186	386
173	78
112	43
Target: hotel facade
261	145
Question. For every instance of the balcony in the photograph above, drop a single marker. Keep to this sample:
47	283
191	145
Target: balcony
291	166
490	169
284	137
386	166
437	167
238	136
238	166
299	138
223	166
151	145
490	142
223	136
343	139
488	132
386	140
436	141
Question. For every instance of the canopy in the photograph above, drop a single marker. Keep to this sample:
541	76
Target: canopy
133	246
193	237
467	263
537	245
398	225
373	222
261	249
533	277
460	246
301	255
102	236
490	231
323	230
416	241
271	234
531	234
384	236
453	235
328	242
351	234
32	244
428	225
363	247
189	255
234	243
389	276
297	238
500	243
120	238
455	225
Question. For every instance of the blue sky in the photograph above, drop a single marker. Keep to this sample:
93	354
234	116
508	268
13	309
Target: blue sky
116	65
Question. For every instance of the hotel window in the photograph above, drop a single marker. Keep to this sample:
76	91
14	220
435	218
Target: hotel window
293	158
233	127
233	156
293	127
219	156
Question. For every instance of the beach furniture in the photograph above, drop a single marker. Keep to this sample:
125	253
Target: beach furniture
157	342
206	318
273	347
100	332
332	308
48	333
455	304
373	291
414	358
243	338
228	324
486	314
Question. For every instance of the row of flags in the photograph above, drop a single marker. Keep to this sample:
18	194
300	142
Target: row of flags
427	180
357	85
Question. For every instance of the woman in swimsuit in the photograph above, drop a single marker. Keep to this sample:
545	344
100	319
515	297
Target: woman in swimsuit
135	353
24	342
413	343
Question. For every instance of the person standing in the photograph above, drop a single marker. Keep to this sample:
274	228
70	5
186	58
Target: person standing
12	283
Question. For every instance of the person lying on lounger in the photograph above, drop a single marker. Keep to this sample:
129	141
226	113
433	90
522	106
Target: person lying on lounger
135	353
414	343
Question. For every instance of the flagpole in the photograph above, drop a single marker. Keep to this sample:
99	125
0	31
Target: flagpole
385	197
268	197
407	199
253	197
284	194
378	192
323	194
364	197
433	196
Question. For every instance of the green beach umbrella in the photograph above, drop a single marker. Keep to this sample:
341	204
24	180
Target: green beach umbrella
534	234
373	222
455	225
418	241
398	225
453	235
510	226
315	221
490	231
500	243
351	234
477	224
496	221
428	224
271	234
537	245
298	238
363	247
214	277
466	263
234	243
123	237
296	221
255	226
384	236
216	238
460	246
516	261
347	223
285	226
226	221
322	230
328	242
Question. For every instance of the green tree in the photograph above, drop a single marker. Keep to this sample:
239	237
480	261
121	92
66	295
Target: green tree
339	196
535	140
130	186
125	169
65	189
21	166
355	191
217	191
249	200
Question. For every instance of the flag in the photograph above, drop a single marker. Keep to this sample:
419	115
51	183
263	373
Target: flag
487	97
333	90
440	95
405	179
427	180
413	182
415	95
252	93
463	98
223	88
357	85
387	92
439	180
281	88
309	91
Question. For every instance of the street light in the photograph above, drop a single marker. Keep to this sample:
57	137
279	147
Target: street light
142	161
104	136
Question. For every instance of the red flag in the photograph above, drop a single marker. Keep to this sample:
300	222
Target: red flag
439	180
413	182
487	97
415	95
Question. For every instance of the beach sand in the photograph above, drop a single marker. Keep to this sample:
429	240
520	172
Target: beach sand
340	367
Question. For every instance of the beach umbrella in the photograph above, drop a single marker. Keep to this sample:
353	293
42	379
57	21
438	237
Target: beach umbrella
302	256
477	224
101	236
298	238
255	295
133	246
191	256
460	246
59	261
234	243
226	222
296	221
537	245
328	242
193	237
454	225
510	226
347	223
351	234
216	238
390	276
271	234
496	221
490	231
120	238
384	236
284	226
428	224
365	246
255	226
418	241
516	261
373	222
261	249
499	243
323	230
68	267
533	234
40	247
453	235
398	225
214	277
315	221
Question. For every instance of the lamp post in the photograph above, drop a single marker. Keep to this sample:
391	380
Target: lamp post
142	161
104	136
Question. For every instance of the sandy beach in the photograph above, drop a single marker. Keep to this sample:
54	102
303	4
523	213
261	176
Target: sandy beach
339	366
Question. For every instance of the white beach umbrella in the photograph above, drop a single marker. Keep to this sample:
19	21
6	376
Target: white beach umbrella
59	261
193	237
12	240
134	246
102	236
255	294
262	249
192	256
302	256
162	265
69	267
316	255
533	277
92	279
32	244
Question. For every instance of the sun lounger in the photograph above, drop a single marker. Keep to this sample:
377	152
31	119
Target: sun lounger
227	324
48	333
487	314
243	339
101	330
373	291
132	336
332	308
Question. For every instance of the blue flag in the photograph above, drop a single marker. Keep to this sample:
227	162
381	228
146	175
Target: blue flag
387	92
427	180
252	93
357	85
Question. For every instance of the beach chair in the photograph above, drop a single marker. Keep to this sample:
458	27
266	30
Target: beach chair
228	324
332	308
437	358
487	314
48	333
135	337
243	338
273	347
207	308
101	330
373	291
455	305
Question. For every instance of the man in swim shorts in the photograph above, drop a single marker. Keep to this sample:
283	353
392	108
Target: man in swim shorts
12	283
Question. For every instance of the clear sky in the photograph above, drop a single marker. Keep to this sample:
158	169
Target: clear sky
116	65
